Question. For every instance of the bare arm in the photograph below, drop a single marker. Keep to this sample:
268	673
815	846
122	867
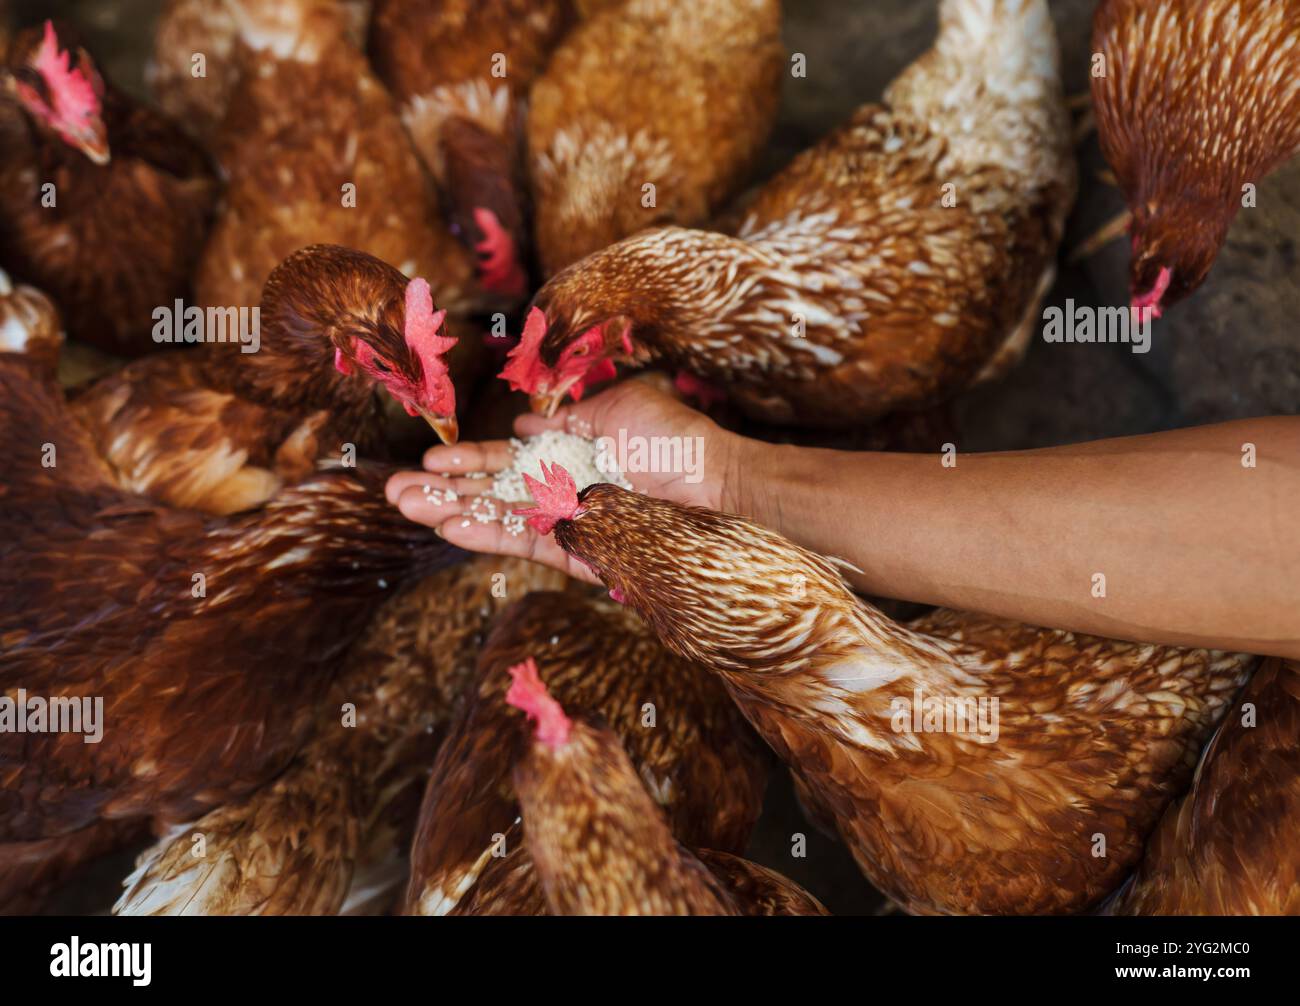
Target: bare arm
1195	548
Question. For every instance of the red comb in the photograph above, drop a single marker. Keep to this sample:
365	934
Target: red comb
528	692
557	499
422	324
524	367
74	97
501	273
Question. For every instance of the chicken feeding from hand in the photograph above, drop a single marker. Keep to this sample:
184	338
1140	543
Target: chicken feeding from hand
192	651
891	266
220	429
971	764
461	71
649	112
334	829
1228	846
689	744
104	203
314	152
598	841
1196	102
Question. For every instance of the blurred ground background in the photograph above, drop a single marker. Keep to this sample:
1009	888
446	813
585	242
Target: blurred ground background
1231	351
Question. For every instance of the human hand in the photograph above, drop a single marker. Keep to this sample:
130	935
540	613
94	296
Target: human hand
642	407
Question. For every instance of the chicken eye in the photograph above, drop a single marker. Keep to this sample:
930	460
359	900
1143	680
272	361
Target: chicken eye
381	366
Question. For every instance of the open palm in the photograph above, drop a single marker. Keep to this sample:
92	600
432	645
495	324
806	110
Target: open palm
637	408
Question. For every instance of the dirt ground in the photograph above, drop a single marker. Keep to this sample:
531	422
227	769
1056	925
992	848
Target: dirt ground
1231	351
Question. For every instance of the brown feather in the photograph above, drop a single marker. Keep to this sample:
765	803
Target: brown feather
1198	99
1094	736
300	128
121	239
30	327
342	814
594	657
509	884
1229	846
220	430
206	694
889	267
599	843
461	106
189	27
678	95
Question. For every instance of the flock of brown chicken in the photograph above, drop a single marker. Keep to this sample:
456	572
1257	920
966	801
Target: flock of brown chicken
321	707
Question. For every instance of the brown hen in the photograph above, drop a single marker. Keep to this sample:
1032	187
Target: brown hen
188	29
681	731
210	641
1228	847
334	829
103	203
509	885
221	430
314	152
650	112
1197	101
598	842
889	267
461	71
1032	787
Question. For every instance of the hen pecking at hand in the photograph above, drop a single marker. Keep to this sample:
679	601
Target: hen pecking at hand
103	202
200	647
650	112
971	764
221	430
461	71
887	268
1187	129
685	737
598	841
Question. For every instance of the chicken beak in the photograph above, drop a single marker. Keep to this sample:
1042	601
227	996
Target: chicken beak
94	144
447	427
546	403
98	155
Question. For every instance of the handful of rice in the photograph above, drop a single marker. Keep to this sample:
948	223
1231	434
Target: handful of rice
579	455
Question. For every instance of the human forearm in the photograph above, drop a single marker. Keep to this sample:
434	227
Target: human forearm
1195	548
